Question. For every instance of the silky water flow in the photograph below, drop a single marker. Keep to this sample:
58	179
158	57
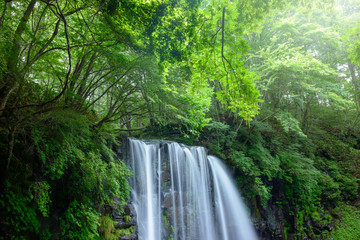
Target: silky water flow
179	193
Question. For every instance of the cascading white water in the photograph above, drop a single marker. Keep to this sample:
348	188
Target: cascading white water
179	193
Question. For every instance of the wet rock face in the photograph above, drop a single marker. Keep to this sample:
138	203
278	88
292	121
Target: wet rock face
125	226
126	222
278	221
272	227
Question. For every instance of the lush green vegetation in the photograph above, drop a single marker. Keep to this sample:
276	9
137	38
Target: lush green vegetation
348	224
272	87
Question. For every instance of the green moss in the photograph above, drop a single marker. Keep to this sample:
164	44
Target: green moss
106	227
124	232
347	227
127	218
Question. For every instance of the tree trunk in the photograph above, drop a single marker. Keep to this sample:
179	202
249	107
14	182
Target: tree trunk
12	77
355	83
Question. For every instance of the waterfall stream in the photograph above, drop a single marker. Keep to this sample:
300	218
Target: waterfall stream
179	193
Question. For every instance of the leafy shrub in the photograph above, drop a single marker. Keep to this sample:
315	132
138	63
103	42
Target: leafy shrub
41	195
301	178
71	151
79	222
71	173
18	214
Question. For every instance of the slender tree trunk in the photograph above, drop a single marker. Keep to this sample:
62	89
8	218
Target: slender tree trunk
355	82
11	142
12	77
4	11
5	164
305	117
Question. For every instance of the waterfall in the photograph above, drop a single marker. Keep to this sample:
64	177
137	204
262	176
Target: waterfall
179	193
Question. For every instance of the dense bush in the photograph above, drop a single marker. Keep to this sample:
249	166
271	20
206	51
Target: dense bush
71	171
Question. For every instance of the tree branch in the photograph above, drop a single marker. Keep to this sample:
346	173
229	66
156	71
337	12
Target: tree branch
41	51
223	44
4	11
129	130
115	82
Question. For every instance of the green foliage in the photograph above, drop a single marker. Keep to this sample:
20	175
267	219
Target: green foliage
353	43
341	159
347	227
273	161
67	145
72	73
41	196
75	169
219	59
245	164
348	183
125	232
108	231
268	164
57	143
79	222
106	226
199	101
301	178
191	101
289	123
220	135
263	191
19	214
